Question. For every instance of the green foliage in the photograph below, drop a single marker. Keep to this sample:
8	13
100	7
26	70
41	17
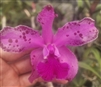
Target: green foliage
80	3
14	12
88	67
92	63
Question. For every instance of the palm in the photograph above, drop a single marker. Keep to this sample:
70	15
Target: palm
9	75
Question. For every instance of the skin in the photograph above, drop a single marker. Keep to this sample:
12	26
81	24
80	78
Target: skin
15	69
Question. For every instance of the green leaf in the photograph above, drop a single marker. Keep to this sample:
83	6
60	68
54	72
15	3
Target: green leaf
97	56
98	19
86	66
95	53
29	3
87	3
98	7
80	3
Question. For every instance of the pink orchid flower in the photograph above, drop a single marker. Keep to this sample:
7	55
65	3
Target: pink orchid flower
50	58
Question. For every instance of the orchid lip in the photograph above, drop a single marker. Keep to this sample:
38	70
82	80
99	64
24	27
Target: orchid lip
52	68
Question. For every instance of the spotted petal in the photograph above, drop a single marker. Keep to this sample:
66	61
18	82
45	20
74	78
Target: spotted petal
76	33
20	38
68	57
36	57
45	18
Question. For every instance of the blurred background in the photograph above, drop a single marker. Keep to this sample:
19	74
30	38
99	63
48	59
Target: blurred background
15	12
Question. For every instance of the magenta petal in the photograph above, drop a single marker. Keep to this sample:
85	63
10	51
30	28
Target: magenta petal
34	75
45	18
20	38
36	57
61	70
68	57
77	33
52	68
45	70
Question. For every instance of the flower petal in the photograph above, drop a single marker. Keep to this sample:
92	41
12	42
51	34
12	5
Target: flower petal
68	57
45	18
34	75
19	38
77	33
36	56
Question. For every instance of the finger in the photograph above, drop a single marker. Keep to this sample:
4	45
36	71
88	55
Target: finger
4	67
22	66
8	56
24	80
7	75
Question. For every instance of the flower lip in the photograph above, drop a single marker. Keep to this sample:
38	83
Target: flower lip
52	68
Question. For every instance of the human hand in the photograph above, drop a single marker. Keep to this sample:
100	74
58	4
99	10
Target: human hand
15	69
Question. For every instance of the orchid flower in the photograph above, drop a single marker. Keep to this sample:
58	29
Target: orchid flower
50	58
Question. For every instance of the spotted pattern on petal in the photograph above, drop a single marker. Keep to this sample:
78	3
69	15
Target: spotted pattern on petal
19	38
77	33
46	15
